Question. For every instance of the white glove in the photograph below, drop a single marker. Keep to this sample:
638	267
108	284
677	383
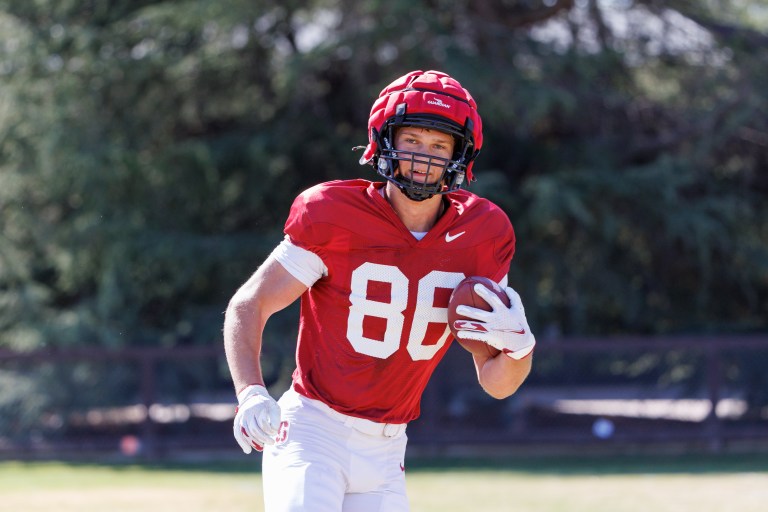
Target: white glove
505	329
257	420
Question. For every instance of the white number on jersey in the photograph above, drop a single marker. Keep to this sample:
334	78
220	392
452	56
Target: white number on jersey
392	312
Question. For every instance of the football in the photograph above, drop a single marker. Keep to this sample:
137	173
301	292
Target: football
464	294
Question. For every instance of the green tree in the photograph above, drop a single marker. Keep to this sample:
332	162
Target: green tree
150	150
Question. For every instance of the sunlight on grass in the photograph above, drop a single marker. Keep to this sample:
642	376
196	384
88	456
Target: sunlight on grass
550	486
503	492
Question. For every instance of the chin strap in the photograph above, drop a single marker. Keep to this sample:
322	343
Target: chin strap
413	195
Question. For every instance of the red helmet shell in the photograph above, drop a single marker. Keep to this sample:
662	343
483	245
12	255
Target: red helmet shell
433	93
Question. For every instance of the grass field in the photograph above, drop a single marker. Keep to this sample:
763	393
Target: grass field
605	484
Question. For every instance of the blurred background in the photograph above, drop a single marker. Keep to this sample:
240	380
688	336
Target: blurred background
150	150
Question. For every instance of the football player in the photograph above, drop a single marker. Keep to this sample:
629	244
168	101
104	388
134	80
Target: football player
373	264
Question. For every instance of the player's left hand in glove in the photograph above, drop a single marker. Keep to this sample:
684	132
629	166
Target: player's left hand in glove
506	329
257	420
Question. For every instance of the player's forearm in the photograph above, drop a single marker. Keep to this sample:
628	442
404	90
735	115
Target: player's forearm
501	376
243	329
270	289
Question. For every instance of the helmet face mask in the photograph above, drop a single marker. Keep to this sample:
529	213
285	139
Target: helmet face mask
391	162
433	101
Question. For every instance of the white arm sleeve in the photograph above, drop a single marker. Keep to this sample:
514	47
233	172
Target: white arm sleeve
302	264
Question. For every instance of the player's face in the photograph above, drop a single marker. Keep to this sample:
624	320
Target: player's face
433	143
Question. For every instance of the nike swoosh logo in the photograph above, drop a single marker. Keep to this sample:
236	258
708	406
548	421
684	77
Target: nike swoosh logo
521	331
450	238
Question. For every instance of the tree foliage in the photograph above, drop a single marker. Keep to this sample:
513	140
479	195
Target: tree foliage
149	152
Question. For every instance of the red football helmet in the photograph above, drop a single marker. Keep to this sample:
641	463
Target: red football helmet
425	99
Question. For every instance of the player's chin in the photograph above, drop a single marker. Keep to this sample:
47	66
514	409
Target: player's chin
421	178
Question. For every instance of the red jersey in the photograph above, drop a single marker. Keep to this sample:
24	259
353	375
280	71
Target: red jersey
372	331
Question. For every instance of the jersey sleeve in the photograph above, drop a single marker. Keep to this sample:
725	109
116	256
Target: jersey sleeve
305	228
302	264
483	228
504	246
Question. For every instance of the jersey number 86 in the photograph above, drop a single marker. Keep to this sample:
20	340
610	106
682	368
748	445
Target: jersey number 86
424	313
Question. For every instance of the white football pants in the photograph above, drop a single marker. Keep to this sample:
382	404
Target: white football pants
325	461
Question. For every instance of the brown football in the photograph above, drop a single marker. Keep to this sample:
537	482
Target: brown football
464	293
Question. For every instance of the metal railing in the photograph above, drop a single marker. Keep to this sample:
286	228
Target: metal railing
454	375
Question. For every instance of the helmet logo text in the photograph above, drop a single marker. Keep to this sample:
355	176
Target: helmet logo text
439	103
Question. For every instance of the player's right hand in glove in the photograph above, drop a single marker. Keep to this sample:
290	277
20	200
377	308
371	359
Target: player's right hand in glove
257	420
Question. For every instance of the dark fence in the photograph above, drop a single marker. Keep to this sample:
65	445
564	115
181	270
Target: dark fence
712	406
583	392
